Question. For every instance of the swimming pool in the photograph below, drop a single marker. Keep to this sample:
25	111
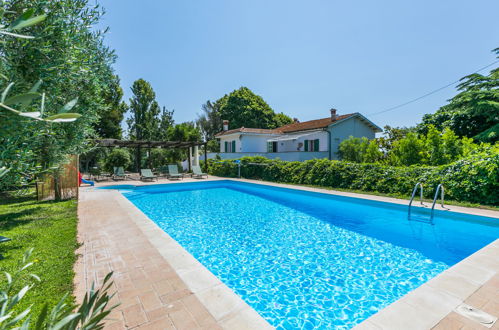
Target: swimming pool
310	260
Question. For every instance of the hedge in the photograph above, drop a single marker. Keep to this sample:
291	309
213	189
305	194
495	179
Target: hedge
473	179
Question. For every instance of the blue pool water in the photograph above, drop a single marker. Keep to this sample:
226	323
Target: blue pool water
309	260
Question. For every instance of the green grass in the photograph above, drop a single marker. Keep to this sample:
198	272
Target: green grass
49	228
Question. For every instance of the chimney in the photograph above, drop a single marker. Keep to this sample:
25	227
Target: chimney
295	120
333	114
226	125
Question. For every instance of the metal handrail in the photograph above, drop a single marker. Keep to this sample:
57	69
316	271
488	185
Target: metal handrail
414	194
440	188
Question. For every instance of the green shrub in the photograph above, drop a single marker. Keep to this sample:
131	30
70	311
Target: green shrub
117	157
472	179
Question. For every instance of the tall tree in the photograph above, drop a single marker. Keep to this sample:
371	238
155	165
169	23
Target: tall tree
242	107
184	132
144	121
474	111
210	123
109	123
166	121
69	56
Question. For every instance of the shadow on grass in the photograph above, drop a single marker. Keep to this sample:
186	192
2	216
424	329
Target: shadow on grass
11	220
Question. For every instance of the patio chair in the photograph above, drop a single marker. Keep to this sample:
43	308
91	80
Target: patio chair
173	172
146	174
119	173
197	173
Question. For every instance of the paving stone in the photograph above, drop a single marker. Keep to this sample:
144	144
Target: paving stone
134	316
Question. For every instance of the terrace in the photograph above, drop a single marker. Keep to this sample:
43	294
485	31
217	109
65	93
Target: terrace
160	285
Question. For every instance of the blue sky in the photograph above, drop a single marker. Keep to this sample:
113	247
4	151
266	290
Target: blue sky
303	57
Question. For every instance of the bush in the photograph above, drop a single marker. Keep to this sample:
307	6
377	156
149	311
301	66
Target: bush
117	157
89	315
473	179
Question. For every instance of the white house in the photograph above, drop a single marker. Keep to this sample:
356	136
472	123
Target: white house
298	141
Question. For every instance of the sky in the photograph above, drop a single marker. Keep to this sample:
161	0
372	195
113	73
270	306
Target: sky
303	57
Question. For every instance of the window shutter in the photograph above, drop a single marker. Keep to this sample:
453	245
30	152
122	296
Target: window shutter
234	146
226	146
269	146
316	145
306	145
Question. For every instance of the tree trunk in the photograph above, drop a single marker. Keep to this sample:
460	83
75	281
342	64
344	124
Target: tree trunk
138	159
57	187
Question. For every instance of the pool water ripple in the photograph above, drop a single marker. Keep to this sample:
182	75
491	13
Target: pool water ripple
300	261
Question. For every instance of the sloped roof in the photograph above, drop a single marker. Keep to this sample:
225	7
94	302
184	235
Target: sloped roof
311	124
248	130
303	126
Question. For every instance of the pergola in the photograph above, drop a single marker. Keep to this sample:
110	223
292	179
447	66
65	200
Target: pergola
111	143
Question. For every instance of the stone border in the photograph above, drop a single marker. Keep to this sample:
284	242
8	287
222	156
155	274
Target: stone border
421	308
228	309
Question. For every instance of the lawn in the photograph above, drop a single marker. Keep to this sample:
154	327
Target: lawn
49	228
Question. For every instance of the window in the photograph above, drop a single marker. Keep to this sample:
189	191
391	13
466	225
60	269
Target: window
311	145
230	146
271	146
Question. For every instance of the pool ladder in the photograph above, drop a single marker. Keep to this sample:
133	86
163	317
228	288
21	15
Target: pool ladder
440	189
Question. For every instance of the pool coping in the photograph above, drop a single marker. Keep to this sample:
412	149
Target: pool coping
422	308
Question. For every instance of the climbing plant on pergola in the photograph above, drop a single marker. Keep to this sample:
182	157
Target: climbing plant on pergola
111	143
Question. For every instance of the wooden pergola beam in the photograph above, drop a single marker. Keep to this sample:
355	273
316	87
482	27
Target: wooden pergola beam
113	143
110	143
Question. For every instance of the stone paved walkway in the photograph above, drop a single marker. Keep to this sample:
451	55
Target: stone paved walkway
151	294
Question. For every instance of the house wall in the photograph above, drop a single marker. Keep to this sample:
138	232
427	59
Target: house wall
230	138
292	145
343	130
254	143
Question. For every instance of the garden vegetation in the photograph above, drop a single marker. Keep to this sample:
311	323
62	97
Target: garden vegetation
473	179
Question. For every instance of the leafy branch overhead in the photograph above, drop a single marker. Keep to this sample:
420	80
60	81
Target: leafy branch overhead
28	19
25	99
58	42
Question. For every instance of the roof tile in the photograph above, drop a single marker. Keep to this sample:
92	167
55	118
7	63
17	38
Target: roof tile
294	127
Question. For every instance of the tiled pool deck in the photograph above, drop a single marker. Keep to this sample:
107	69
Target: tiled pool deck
162	286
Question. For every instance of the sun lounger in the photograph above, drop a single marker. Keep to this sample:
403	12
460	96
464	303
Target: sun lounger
146	174
197	173
119	174
173	172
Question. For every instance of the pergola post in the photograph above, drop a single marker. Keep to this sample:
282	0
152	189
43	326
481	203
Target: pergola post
149	159
206	157
138	159
196	156
189	159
